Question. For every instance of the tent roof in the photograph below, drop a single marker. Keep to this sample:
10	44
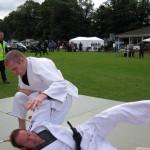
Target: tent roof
95	38
79	38
86	39
147	40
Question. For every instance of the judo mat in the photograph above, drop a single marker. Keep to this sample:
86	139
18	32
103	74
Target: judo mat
123	137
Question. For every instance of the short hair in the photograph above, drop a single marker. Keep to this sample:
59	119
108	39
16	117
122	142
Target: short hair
14	56
13	137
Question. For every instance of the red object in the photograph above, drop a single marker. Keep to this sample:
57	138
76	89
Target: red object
30	117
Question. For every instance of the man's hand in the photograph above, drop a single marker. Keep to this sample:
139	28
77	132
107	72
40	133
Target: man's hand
7	139
35	102
25	91
141	148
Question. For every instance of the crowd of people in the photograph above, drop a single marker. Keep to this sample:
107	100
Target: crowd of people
43	47
129	50
46	46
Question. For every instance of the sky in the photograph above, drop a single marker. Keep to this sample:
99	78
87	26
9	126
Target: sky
7	6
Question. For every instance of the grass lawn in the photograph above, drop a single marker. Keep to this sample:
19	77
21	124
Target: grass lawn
104	75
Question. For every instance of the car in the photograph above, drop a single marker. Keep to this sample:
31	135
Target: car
8	46
136	47
119	44
19	46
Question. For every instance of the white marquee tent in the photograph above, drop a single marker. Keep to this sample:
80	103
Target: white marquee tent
87	42
147	40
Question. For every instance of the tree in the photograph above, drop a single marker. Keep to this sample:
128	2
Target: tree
61	19
118	16
87	7
102	21
87	11
65	19
143	12
22	23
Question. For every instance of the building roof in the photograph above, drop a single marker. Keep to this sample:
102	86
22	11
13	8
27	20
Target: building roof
142	32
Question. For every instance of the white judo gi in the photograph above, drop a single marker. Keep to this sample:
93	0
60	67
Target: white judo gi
44	77
96	130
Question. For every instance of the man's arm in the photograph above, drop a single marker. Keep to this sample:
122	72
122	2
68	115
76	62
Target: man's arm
54	86
134	112
25	91
141	148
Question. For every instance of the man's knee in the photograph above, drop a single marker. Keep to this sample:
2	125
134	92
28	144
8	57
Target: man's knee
20	97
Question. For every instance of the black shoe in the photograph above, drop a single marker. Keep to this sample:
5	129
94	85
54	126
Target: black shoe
6	82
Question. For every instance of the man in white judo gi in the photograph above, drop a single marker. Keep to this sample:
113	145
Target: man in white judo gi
39	80
94	132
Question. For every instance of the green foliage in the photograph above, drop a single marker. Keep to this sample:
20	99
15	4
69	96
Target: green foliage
22	23
104	75
66	19
59	19
87	6
118	16
102	21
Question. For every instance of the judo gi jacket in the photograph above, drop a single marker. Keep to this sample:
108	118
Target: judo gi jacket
44	77
96	130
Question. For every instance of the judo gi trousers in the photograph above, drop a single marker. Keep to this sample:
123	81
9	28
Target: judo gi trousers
54	115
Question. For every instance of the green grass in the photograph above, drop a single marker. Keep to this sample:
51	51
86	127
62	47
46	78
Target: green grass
104	75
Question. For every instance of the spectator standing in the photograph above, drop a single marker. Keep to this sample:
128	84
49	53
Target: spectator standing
75	47
3	50
45	47
141	51
51	46
39	48
131	50
80	47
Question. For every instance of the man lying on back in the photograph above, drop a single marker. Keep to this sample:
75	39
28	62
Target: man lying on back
94	132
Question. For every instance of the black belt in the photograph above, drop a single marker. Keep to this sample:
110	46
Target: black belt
76	136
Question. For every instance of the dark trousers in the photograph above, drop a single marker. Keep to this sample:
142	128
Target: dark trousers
2	70
45	51
141	54
38	51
